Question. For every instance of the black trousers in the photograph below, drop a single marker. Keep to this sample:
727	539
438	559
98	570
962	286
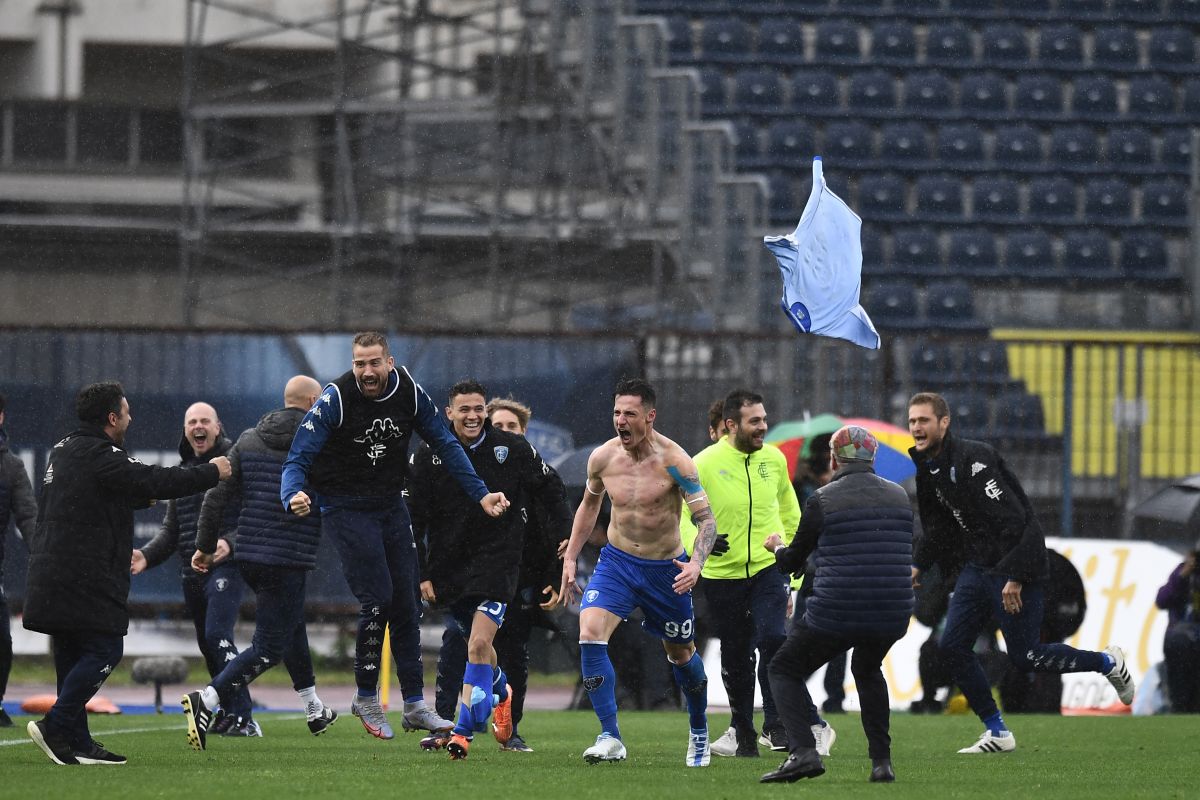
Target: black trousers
804	651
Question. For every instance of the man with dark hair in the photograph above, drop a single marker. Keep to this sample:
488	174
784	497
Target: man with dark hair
78	584
751	497
716	416
16	501
213	597
471	563
275	551
644	565
859	526
977	521
350	457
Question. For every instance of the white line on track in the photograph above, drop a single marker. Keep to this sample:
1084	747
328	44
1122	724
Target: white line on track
11	742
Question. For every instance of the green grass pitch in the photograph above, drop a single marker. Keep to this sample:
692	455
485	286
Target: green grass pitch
1087	757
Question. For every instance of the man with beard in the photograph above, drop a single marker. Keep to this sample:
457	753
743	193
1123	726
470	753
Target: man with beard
212	598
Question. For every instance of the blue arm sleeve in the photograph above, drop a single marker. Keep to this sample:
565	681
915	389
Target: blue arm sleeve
429	424
314	431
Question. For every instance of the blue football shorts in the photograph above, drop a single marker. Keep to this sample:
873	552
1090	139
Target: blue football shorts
623	582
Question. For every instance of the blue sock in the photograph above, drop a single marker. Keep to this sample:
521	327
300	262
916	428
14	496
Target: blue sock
479	677
1108	662
694	682
995	724
499	684
416	698
599	680
365	693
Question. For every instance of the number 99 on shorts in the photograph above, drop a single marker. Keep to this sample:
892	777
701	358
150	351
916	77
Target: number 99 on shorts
678	630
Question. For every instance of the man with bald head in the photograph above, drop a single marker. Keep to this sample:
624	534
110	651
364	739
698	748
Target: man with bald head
274	553
212	599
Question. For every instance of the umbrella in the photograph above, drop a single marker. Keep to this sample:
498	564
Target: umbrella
1172	512
572	465
891	460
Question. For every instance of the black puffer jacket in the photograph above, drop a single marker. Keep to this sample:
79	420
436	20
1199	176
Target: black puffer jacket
974	511
16	495
79	555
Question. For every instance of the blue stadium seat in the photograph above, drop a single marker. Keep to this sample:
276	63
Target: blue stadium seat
871	91
1172	47
791	141
837	41
1115	48
939	197
893	41
950	305
780	41
813	90
969	413
1073	8
1151	97
934	362
712	89
1005	45
983	93
1087	253
903	142
996	200
1061	46
1074	146
757	89
1130	147
972	5
986	362
1164	201
1019	415
948	43
1142	10
1094	97
1191	98
1052	199
1177	147
679	37
1029	253
725	39
1185	10
1037	94
916	252
746	141
893	304
849	141
882	197
872	252
1029	6
928	91
783	197
973	253
1017	146
960	145
1144	253
1107	200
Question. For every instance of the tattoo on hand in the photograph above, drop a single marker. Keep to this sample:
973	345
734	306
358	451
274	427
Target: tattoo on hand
706	535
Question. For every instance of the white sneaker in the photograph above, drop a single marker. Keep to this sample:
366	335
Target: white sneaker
697	749
1119	675
825	736
726	745
606	748
993	743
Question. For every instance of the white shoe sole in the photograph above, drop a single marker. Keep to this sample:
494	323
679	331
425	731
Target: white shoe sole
35	733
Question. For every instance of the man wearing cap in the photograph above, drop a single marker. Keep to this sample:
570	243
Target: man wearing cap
859	528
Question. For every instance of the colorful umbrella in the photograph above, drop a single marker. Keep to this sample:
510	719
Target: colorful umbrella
891	461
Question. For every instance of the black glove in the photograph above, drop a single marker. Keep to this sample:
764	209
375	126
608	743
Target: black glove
720	545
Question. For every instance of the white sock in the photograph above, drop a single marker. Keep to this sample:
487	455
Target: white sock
209	696
309	695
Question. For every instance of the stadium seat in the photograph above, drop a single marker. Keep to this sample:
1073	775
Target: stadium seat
983	93
973	253
780	41
1107	200
1185	10
893	42
934	363
1130	147
1144	253
916	252
1177	147
972	5
969	412
712	90
791	141
949	304
960	145
882	197
1074	146
746	141
1164	202
948	43
1144	10
872	252
986	362
1018	146
849	141
1172	47
1114	48
757	89
679	38
837	41
903	141
1071	8
1191	98
1019	415
782	197
939	197
725	39
928	91
1094	97
1052	199
1029	6
996	200
871	91
1061	46
893	304
1150	97
812	91
1087	253
1037	94
1005	45
1029	253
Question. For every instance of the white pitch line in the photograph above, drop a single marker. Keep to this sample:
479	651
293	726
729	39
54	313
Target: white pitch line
11	742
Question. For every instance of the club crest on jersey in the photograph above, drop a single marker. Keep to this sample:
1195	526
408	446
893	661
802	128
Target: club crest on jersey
222	584
501	452
592	594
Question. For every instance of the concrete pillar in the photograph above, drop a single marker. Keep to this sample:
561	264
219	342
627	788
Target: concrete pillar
58	51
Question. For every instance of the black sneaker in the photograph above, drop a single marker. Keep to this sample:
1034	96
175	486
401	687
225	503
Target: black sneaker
244	727
774	738
198	718
5	719
221	722
56	747
96	754
318	721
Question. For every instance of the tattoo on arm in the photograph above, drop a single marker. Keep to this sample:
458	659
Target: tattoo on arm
690	484
706	534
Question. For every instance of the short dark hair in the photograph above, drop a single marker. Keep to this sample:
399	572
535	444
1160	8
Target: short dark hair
940	407
636	387
96	401
370	339
466	386
716	414
735	401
